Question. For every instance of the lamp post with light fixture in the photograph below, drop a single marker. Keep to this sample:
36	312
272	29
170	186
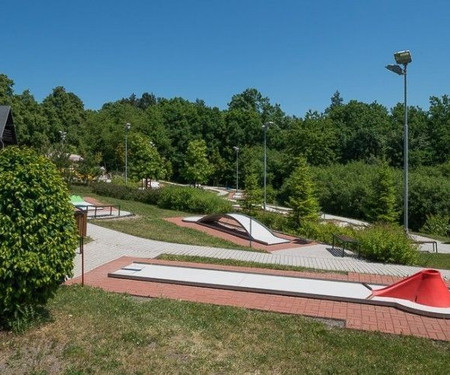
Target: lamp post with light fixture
403	58
237	167
127	128
265	126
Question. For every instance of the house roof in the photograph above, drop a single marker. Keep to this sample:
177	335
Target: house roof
7	128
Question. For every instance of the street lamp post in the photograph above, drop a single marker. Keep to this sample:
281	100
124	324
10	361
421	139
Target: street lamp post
403	58
237	167
265	126
127	128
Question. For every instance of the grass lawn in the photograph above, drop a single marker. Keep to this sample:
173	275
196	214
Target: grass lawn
433	260
90	331
240	263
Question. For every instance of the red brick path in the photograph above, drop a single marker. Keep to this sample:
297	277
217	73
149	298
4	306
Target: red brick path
356	316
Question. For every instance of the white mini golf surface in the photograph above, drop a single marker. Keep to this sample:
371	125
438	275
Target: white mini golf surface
271	284
254	229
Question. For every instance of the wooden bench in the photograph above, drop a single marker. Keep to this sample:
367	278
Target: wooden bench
345	240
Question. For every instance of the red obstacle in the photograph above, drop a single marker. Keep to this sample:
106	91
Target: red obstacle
426	287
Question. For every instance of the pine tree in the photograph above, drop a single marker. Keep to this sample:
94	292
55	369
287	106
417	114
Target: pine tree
253	193
383	206
302	199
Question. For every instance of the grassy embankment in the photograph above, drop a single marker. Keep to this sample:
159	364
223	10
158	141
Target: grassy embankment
90	331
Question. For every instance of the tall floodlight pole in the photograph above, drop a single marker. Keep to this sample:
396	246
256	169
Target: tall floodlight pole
403	58
127	128
265	126
237	167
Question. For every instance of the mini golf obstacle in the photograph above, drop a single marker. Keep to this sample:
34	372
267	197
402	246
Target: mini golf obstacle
239	225
425	287
424	293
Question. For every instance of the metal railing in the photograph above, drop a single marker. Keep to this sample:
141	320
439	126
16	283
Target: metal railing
89	208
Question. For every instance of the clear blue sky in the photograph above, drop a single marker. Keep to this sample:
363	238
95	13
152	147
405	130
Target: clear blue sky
297	53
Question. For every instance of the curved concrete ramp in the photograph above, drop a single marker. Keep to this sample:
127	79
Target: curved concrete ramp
240	225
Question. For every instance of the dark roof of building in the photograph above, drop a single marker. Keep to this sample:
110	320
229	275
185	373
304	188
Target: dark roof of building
7	128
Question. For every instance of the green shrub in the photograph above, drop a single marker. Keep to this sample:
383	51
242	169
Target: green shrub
192	200
348	190
438	225
388	244
429	194
115	191
272	220
344	189
148	196
323	231
37	232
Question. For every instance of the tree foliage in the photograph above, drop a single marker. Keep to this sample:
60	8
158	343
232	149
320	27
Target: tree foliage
37	231
383	200
302	199
145	160
197	168
347	133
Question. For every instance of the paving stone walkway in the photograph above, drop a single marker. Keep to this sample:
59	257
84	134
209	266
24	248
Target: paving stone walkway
111	250
108	245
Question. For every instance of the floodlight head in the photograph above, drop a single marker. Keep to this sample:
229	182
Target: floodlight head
395	68
402	57
236	148
267	124
127	126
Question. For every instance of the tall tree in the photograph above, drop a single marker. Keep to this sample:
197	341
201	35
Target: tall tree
362	130
336	101
6	90
302	199
253	194
65	112
383	200
145	161
315	138
31	124
439	128
197	168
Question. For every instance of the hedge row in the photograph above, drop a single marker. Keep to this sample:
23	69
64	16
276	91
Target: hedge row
173	198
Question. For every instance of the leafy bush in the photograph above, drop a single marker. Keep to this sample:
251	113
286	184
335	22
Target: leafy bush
429	194
113	190
348	190
344	189
387	243
148	196
37	232
320	231
272	220
192	200
438	225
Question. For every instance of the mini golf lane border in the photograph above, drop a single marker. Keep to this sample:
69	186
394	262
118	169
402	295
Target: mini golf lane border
405	305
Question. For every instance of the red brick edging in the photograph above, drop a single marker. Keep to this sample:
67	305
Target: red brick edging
356	316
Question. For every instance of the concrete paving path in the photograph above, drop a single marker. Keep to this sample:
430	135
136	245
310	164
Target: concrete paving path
108	245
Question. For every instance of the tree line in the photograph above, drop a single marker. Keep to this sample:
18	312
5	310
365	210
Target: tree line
169	132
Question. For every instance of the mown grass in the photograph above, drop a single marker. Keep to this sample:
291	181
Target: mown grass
149	223
94	332
433	260
240	263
